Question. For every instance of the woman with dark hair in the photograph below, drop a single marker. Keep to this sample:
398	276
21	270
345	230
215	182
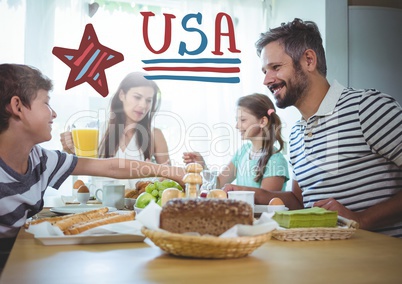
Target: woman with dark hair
258	163
129	133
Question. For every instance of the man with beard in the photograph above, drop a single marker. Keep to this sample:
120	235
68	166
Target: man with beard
346	150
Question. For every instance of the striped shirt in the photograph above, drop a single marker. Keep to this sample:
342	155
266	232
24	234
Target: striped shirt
21	196
350	150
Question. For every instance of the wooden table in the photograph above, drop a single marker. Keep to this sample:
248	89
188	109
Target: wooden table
365	258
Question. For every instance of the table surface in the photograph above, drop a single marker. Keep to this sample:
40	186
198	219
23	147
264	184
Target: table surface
364	258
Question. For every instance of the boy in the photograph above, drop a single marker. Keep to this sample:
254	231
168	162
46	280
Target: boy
26	169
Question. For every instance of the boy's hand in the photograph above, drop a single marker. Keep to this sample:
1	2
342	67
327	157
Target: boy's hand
66	140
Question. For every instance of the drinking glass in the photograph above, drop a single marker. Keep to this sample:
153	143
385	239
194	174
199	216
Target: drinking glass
209	179
85	132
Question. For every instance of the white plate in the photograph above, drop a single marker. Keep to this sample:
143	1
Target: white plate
90	239
264	208
72	209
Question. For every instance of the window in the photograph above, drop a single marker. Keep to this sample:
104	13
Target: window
194	116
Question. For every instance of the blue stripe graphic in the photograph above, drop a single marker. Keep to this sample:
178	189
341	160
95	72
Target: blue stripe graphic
196	78
195	60
88	64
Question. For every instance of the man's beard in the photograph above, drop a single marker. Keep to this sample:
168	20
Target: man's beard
295	89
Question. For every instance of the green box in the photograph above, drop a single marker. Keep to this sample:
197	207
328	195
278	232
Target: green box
306	218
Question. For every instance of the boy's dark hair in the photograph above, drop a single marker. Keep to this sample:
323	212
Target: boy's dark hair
22	81
296	37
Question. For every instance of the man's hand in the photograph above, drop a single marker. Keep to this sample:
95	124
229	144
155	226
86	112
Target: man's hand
333	205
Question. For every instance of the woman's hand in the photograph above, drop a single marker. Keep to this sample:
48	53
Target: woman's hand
193	157
66	139
231	187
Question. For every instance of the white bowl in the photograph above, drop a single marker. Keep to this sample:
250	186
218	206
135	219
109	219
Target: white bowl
129	203
138	210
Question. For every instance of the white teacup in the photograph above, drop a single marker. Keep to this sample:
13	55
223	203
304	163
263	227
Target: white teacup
247	196
112	195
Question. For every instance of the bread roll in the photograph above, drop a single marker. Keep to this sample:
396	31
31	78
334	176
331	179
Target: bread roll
170	193
204	216
141	185
217	193
131	193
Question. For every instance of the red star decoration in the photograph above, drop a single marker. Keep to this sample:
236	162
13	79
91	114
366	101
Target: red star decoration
89	62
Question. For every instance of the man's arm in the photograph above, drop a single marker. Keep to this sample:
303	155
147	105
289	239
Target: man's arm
380	215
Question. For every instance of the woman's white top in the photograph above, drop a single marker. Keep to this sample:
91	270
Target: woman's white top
132	152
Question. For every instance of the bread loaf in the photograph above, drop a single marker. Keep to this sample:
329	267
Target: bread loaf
108	218
79	218
80	222
68	220
204	216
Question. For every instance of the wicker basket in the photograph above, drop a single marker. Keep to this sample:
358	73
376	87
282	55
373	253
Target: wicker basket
205	246
346	228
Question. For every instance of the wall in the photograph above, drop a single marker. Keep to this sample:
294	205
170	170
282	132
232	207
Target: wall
284	11
379	3
375	49
331	18
359	53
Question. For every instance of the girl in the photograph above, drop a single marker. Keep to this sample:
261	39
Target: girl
258	163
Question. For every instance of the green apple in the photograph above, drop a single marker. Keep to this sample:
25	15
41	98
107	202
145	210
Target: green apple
143	199
167	183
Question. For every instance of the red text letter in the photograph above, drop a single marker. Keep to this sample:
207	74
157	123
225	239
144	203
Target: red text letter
168	31
230	34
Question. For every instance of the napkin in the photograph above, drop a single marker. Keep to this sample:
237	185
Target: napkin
306	218
149	217
45	229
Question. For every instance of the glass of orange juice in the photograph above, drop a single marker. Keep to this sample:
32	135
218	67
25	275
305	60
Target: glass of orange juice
85	134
